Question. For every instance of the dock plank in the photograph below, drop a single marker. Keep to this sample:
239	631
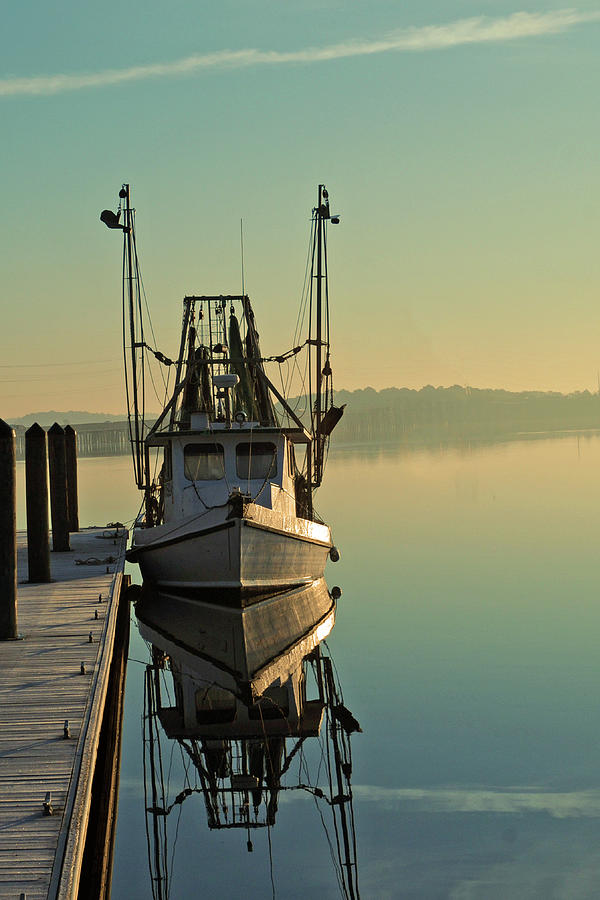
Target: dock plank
41	686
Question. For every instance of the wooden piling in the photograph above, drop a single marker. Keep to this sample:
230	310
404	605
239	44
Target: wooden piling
36	479
73	499
58	489
8	533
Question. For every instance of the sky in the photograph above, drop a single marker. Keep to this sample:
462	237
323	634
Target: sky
458	140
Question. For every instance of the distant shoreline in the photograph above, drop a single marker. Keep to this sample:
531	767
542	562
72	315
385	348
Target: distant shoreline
413	403
428	414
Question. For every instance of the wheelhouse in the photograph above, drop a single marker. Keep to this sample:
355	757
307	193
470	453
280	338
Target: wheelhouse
201	470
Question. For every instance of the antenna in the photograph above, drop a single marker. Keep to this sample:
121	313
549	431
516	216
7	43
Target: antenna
242	254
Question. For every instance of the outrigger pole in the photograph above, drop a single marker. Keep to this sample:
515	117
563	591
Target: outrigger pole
131	300
136	437
324	416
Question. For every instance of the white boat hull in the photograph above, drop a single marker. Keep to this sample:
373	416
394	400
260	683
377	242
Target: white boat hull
259	552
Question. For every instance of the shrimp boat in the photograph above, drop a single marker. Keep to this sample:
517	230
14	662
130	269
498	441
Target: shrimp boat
229	469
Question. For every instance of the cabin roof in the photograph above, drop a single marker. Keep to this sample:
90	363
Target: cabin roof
295	435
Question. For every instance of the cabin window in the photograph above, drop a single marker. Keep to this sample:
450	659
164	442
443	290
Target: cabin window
291	459
167	469
178	697
214	705
274	704
203	462
256	460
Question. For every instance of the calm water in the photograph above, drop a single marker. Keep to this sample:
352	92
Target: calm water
466	646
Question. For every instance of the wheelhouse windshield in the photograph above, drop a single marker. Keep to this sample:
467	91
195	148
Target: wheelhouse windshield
204	462
256	460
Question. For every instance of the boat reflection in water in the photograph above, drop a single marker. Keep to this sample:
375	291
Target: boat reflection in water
241	690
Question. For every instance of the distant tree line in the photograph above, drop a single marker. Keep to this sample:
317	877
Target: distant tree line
395	412
428	414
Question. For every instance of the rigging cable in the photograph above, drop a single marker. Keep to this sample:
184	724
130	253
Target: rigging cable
143	293
186	765
125	366
300	322
139	337
149	738
334	858
310	321
242	254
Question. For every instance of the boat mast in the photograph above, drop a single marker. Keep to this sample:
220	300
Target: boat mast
128	235
132	316
318	469
323	393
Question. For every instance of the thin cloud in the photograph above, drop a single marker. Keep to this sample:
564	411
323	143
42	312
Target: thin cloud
479	30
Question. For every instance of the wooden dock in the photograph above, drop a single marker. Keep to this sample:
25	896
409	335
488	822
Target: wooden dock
58	673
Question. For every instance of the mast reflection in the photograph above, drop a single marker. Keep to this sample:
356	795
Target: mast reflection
241	691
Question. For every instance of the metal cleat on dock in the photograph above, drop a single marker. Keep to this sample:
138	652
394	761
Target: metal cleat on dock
48	808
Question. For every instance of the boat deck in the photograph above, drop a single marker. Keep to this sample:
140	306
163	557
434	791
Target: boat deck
41	688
